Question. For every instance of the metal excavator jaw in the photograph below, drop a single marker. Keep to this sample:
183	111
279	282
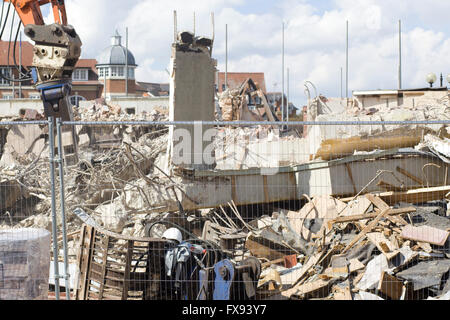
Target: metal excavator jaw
55	53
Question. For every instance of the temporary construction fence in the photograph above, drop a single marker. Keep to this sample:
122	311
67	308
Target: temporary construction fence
266	210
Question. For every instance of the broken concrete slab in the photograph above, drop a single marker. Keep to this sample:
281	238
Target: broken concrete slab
425	234
373	273
439	146
428	216
10	193
363	295
404	259
23	145
426	274
113	215
309	220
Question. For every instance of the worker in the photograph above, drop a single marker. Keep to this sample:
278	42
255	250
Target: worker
183	261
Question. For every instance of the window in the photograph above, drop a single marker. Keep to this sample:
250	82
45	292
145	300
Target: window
120	72
113	71
80	75
75	100
101	72
130	73
7	96
7	73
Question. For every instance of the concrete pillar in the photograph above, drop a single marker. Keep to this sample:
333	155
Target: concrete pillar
191	99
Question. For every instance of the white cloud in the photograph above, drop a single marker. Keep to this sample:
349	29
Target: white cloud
315	38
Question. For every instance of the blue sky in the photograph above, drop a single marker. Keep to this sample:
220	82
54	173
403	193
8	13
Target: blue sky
315	38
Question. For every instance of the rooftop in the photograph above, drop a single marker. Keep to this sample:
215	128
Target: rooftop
396	91
27	56
116	54
155	89
235	79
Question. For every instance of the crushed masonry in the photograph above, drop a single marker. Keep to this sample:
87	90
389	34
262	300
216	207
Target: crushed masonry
318	212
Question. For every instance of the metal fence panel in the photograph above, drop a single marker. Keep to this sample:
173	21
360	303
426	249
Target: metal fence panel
298	210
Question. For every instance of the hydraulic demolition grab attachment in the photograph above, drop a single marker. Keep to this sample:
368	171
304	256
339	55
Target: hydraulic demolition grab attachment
55	53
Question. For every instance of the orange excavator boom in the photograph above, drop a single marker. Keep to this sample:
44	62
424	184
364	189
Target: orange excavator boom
56	51
30	11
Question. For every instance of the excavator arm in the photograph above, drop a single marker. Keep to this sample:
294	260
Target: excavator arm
55	53
30	11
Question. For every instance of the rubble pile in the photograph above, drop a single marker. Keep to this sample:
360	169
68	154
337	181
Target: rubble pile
229	102
99	177
98	110
368	246
350	249
362	250
234	104
329	142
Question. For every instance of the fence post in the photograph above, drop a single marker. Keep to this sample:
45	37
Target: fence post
51	139
63	211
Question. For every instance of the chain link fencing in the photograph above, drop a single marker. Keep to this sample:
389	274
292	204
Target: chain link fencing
298	210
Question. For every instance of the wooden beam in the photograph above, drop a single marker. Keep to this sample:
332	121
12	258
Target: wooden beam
126	276
81	265
389	187
410	175
392	212
104	248
269	263
378	202
318	288
384	245
367	229
87	259
299	274
338	148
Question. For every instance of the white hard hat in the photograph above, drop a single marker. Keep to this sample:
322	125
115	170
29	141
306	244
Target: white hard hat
173	234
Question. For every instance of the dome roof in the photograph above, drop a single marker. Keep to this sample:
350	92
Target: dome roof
116	54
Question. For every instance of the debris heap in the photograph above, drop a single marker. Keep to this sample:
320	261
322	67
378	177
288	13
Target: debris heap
386	240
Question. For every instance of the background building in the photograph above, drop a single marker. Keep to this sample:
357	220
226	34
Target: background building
84	78
148	89
235	79
111	67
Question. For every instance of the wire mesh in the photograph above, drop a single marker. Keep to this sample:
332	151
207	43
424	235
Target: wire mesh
298	210
25	223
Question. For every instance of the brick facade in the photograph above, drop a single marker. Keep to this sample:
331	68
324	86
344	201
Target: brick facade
89	89
117	86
